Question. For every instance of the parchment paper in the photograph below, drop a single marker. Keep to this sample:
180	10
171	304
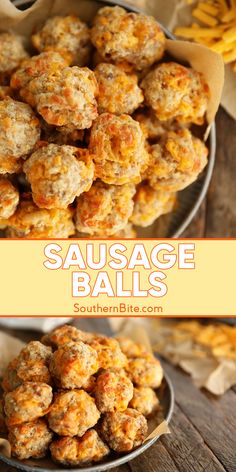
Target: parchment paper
216	374
10	348
199	57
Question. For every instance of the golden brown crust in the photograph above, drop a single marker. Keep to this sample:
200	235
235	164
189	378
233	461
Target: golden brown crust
145	371
67	35
73	363
73	413
176	161
125	430
58	174
113	390
118	146
30	440
133	38
27	402
75	451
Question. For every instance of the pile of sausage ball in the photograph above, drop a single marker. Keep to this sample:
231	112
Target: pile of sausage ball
95	136
80	396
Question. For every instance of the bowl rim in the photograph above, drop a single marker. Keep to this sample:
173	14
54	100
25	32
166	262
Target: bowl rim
206	178
107	465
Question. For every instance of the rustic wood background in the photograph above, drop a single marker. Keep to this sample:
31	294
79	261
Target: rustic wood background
203	426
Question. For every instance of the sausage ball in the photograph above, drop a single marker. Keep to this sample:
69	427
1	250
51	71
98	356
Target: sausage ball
12	52
124	430
72	413
64	335
29	221
104	209
73	363
176	161
131	348
30	439
9	198
150	204
144	400
118	146
58	174
67	35
33	363
133	38
176	92
3	428
113	391
145	371
118	92
74	451
35	66
109	353
27	402
64	97
20	129
10	378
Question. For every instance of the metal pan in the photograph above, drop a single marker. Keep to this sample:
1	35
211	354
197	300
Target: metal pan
190	199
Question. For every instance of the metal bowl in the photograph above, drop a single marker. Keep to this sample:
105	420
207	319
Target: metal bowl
190	199
166	398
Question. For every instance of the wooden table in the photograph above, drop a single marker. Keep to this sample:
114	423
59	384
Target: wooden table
203	430
217	215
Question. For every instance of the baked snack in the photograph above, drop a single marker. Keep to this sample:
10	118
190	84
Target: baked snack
145	371
118	91
176	161
30	221
66	34
104	209
113	390
12	52
120	36
72	413
30	440
109	352
118	146
78	451
144	400
150	204
64	97
27	402
58	174
80	402
73	363
88	108
176	92
124	430
63	335
19	132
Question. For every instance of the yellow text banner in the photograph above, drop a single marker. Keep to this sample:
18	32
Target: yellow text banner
118	278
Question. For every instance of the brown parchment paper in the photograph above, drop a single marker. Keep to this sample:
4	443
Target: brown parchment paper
10	347
173	13
215	374
210	64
